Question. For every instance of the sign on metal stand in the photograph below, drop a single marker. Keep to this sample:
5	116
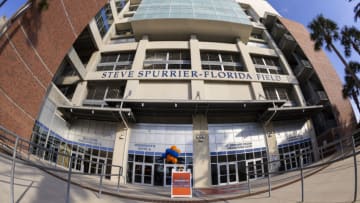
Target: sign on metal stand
181	184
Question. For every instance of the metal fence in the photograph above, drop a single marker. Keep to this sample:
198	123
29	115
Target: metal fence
17	149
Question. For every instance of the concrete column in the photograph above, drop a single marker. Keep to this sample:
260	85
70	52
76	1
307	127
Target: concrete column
271	145
94	60
80	93
133	85
113	9
120	153
258	91
197	86
201	152
299	96
76	62
310	127
96	34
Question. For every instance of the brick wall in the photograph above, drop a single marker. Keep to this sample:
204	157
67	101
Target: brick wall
31	51
326	73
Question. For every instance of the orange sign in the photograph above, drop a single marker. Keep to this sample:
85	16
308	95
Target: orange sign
181	184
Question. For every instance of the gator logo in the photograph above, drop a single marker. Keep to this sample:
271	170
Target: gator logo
171	154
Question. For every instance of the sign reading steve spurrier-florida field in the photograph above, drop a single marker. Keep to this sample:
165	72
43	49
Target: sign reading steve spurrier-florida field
181	184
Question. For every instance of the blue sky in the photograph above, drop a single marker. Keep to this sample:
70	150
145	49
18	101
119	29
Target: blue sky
10	7
302	11
340	11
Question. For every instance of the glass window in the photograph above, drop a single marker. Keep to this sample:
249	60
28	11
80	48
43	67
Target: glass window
240	157
213	159
139	158
222	61
222	159
149	159
178	59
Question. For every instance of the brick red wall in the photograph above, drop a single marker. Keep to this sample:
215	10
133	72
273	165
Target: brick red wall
326	73
31	51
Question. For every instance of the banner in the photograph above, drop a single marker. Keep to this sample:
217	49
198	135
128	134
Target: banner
181	184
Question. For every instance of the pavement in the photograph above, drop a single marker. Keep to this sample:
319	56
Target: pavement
332	184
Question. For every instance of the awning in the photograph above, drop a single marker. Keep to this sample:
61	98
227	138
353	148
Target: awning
182	111
290	113
70	113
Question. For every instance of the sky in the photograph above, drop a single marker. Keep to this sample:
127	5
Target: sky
303	11
340	11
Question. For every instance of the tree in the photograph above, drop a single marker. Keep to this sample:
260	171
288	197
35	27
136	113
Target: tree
356	11
349	90
350	38
324	31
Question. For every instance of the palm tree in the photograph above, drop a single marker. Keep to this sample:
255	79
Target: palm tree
356	11
325	31
350	38
349	90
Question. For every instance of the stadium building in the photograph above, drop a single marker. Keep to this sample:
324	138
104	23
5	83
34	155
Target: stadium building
230	83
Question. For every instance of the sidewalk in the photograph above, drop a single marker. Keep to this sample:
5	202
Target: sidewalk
333	184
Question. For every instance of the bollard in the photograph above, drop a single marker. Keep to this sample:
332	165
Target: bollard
101	180
302	178
69	181
248	182
118	183
13	171
355	169
269	181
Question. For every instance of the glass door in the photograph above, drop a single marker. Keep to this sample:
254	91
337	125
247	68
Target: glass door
290	160
143	174
138	168
227	173
306	154
101	164
78	161
148	174
255	168
167	174
232	172
222	173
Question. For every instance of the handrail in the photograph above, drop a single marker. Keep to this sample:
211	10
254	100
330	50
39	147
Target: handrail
10	141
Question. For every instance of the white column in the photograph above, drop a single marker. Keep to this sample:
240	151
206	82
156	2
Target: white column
258	92
201	152
197	86
133	85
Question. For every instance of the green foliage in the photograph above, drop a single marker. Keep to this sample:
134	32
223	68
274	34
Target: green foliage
349	88
350	38
356	11
323	32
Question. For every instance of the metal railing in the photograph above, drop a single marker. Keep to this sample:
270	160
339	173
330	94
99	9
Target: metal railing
18	151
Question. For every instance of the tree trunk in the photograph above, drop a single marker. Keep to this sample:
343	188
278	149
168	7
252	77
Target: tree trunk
351	72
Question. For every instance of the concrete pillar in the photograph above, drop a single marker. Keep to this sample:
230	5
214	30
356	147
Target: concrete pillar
120	153
201	152
94	60
96	34
133	85
271	145
76	62
80	93
258	91
197	86
311	129
299	96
